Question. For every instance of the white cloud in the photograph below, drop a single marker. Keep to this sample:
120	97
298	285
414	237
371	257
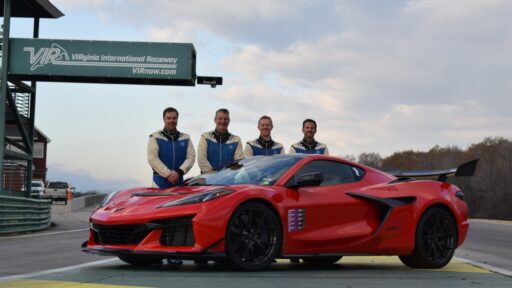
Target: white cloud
69	4
268	22
454	10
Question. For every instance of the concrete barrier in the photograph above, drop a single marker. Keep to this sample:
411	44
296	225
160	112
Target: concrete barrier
86	201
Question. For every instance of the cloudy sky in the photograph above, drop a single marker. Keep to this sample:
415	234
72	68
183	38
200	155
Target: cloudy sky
378	76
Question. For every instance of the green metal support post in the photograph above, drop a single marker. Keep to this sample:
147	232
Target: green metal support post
3	83
31	125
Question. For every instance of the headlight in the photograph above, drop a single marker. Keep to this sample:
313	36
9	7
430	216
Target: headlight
93	226
107	199
197	198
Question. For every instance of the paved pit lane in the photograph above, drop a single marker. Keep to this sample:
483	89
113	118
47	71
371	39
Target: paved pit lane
349	272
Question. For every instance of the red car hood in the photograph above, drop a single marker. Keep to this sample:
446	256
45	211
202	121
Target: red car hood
140	204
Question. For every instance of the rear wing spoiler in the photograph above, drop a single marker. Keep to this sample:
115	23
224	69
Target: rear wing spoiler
464	170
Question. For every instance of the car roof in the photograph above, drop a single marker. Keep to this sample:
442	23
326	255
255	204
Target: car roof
313	156
59	182
292	155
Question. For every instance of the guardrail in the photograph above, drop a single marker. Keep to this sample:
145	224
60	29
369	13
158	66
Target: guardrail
20	214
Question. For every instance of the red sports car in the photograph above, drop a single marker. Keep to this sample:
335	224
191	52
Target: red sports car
310	207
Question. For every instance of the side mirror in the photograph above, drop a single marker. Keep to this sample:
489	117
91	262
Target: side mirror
306	180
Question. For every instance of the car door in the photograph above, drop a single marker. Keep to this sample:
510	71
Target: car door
324	219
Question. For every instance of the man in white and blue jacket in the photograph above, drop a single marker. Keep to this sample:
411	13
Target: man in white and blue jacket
218	148
263	145
171	153
309	145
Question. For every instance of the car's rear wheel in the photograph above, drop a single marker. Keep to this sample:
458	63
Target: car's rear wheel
322	259
436	239
253	237
141	260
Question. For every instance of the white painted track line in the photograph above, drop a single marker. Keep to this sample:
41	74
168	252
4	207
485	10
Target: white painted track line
495	269
44	234
56	270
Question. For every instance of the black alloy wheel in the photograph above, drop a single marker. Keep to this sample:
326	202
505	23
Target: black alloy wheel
253	237
436	239
141	260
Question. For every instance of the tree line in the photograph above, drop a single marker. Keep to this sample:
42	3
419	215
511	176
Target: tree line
487	193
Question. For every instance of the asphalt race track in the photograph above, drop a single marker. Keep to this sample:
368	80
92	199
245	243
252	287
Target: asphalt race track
489	243
52	258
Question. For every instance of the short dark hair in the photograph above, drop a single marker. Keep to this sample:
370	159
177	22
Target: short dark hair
170	110
310	121
266	117
222	110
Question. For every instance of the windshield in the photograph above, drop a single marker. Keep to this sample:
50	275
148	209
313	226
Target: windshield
58	185
259	170
35	184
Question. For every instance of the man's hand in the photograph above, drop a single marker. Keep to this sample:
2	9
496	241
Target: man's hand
173	177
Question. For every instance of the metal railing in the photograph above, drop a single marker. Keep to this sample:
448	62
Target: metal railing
13	178
22	100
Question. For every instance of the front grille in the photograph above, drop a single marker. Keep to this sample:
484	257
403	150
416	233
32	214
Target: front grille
120	234
177	232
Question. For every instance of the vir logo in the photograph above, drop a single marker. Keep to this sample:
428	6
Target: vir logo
54	55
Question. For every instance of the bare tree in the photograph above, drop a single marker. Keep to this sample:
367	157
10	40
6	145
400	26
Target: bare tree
349	157
487	193
371	159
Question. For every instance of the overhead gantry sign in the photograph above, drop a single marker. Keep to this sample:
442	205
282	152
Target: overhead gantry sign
104	62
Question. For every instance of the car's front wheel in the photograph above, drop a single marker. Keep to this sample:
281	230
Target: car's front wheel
253	237
141	260
436	239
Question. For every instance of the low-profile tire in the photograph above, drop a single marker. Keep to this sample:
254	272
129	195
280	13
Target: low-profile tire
436	240
253	237
141	260
322	259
